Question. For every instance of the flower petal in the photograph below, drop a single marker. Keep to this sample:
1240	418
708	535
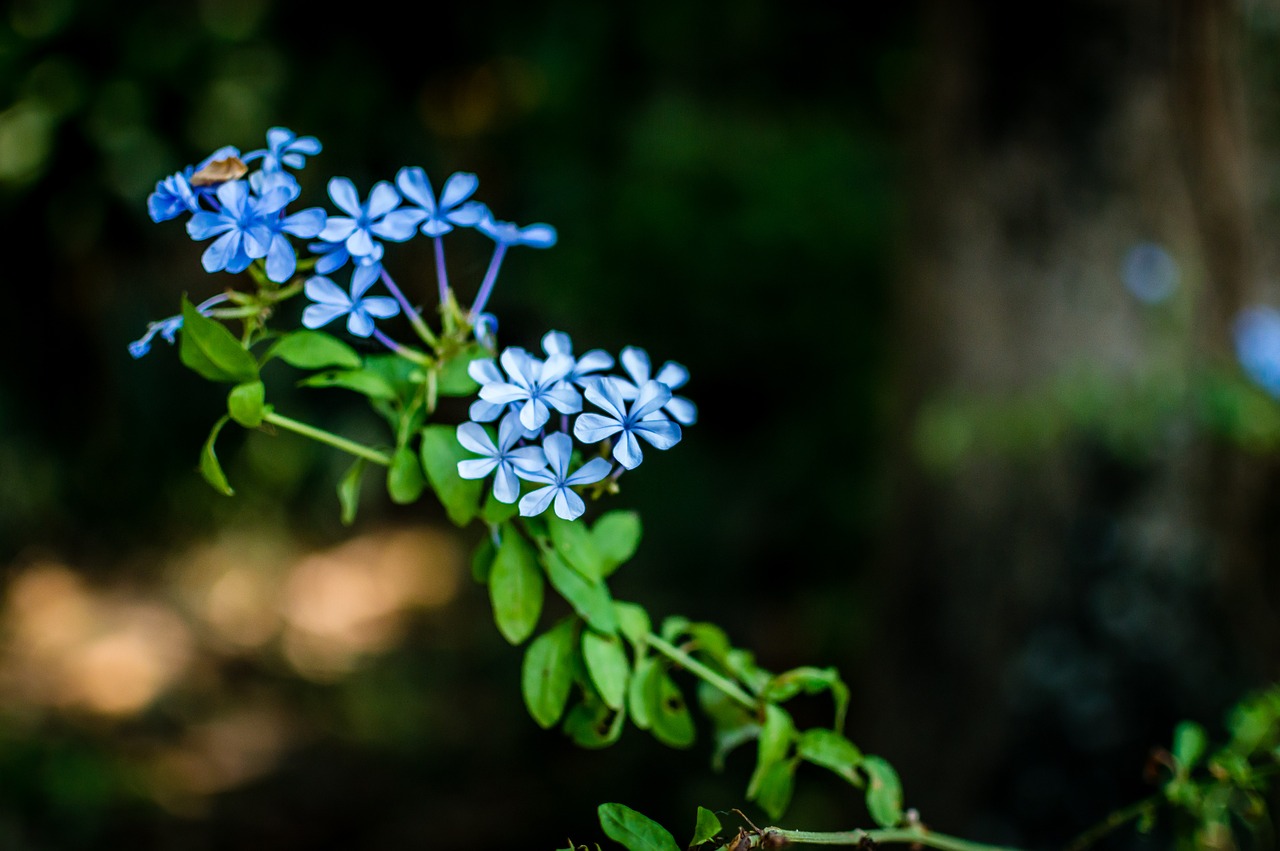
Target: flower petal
593	428
636	362
476	468
590	473
535	502
662	434
317	315
325	291
627	451
569	506
506	487
682	410
343	193
382	200
458	188
475	439
558	447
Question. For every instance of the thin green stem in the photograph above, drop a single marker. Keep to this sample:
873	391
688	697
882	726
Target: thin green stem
693	666
1113	821
917	835
350	446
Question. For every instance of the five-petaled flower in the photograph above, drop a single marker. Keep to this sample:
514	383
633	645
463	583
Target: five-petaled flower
502	458
558	480
378	217
440	217
642	420
360	310
535	386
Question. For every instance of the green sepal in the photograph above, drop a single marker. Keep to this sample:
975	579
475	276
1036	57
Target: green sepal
212	351
516	589
349	491
884	791
209	466
832	751
306	349
616	536
452	378
607	665
706	828
405	481
246	403
441	453
669	717
634	831
591	600
546	675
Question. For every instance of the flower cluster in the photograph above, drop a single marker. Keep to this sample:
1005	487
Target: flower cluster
535	446
540	406
245	214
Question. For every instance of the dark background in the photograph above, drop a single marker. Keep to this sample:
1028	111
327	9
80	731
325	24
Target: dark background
888	249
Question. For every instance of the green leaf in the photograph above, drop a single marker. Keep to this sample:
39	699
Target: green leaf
673	627
731	724
547	674
634	623
515	588
591	724
616	535
776	735
362	381
591	600
452	379
884	791
404	477
209	466
638	692
1189	743
402	375
832	751
482	558
711	640
774	787
495	511
706	828
349	491
787	685
245	403
634	831
608	667
441	453
575	545
313	350
669	718
210	349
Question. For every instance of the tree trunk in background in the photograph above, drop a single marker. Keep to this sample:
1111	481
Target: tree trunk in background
1070	604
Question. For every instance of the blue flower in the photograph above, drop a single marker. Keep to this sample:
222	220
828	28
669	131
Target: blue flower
334	255
282	261
558	448
440	217
1257	333
501	457
636	363
243	234
376	217
175	194
558	343
285	148
640	420
535	384
506	233
167	328
360	310
486	330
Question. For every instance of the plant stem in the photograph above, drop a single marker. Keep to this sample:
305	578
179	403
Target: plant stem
442	279
693	666
1111	822
486	286
415	319
357	449
918	835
